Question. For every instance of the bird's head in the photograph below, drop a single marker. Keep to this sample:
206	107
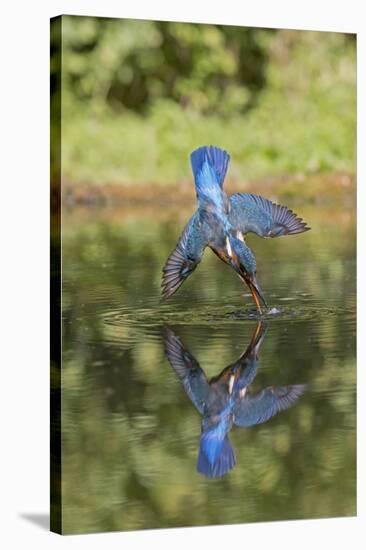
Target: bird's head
242	258
243	261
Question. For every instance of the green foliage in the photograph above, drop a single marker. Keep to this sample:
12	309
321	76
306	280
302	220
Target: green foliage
138	96
133	64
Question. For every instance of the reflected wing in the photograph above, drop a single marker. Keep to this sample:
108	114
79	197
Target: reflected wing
184	258
187	369
253	213
270	401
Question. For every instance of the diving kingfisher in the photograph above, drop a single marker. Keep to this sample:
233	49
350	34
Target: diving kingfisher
221	223
226	399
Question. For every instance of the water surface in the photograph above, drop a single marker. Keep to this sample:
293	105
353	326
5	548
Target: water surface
131	434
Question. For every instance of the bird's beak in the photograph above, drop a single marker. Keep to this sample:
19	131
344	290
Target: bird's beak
250	280
256	292
257	339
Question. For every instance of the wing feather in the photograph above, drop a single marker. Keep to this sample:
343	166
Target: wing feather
184	258
253	213
257	409
187	369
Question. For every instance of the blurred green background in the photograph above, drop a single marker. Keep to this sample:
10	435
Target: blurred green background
138	96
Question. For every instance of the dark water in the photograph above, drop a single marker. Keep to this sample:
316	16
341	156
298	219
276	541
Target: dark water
130	432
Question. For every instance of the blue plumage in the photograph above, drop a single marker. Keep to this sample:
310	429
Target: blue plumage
215	457
209	166
224	400
212	439
207	187
185	257
253	213
244	255
266	404
219	218
215	157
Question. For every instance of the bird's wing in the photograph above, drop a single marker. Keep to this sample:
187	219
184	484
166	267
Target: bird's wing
253	213
184	258
270	401
187	369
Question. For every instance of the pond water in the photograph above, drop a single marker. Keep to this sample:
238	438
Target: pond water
131	434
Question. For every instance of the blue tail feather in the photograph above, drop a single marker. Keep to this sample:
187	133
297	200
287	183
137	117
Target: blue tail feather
216	157
216	457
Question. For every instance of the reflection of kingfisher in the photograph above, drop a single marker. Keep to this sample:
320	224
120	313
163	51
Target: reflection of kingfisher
225	400
221	222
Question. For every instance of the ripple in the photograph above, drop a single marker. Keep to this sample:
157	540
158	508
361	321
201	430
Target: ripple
209	314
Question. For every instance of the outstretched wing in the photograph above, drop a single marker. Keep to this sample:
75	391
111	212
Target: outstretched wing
187	369
184	258
253	213
270	401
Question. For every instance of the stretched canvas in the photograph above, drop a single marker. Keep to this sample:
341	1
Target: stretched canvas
191	388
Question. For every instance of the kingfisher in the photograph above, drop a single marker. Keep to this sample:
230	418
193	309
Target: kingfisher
221	223
226	400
